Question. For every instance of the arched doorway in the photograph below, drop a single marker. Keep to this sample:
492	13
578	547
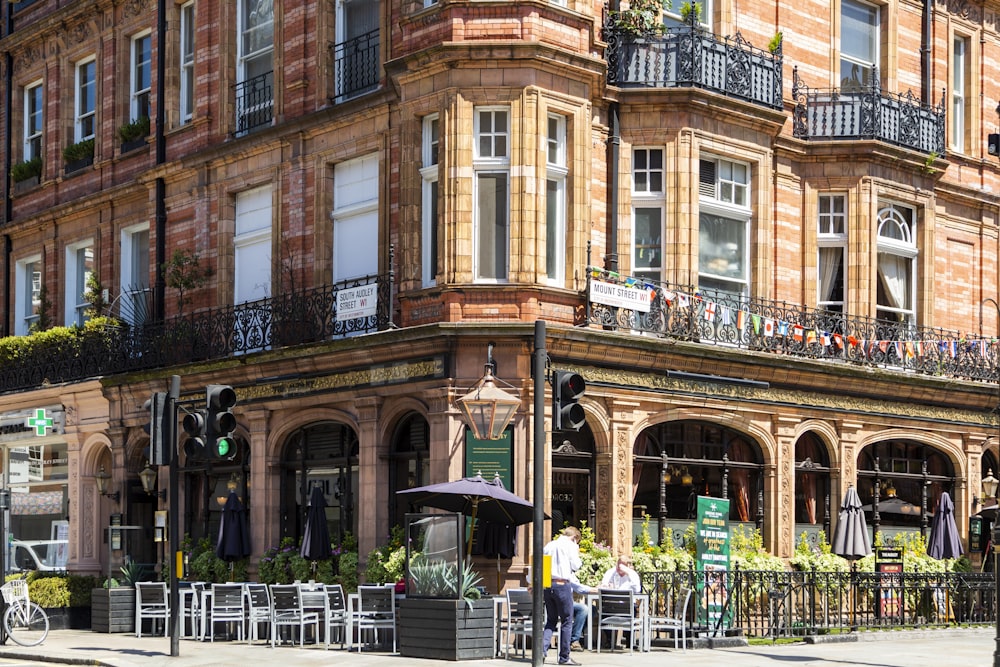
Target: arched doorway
812	489
573	479
324	455
409	466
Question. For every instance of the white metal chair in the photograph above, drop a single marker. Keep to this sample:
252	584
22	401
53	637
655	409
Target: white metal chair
151	602
518	619
258	603
226	607
674	617
287	611
336	614
191	613
616	612
376	611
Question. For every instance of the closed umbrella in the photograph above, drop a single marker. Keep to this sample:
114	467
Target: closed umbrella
316	536
234	534
850	539
944	541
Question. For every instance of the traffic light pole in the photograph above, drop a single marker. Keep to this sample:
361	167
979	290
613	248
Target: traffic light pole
538	496
173	503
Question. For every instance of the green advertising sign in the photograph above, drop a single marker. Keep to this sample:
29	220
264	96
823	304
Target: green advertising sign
712	544
491	457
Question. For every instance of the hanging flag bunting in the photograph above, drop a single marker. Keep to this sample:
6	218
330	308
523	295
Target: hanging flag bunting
710	311
768	327
683	300
782	328
756	323
726	316
810	337
797	333
741	319
824	339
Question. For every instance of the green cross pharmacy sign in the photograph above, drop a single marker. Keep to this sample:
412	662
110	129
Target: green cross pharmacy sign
40	421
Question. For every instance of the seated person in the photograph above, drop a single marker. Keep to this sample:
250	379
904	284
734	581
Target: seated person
581	612
621	577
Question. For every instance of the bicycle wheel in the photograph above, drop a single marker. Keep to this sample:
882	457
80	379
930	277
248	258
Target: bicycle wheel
27	625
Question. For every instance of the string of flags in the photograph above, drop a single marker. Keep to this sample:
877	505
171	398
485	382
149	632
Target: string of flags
772	327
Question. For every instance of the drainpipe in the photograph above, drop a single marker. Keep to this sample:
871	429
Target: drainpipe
160	286
925	53
8	203
614	146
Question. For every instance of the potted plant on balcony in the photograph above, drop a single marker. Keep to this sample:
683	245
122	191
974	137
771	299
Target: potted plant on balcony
79	155
640	18
26	174
133	134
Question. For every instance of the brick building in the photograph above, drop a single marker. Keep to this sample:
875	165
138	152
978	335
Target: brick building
766	235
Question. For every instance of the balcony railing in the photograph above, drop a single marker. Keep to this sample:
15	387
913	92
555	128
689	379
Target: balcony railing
254	103
690	57
794	604
683	312
345	309
356	65
865	112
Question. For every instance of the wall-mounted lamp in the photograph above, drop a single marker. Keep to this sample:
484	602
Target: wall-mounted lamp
487	409
148	478
101	479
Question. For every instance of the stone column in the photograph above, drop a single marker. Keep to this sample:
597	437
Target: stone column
369	497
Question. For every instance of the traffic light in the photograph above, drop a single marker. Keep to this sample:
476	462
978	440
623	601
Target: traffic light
220	422
159	429
196	445
567	390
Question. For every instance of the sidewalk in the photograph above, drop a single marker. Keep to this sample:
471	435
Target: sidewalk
919	648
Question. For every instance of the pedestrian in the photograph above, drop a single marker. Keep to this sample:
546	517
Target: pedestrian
564	552
622	577
581	612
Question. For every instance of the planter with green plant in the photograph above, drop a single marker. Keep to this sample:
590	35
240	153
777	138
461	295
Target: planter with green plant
78	155
113	604
28	171
133	134
66	598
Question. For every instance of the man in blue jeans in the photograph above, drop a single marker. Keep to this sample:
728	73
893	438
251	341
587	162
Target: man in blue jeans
564	552
581	612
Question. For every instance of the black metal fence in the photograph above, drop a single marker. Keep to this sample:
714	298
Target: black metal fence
254	102
720	318
688	56
865	112
356	65
793	604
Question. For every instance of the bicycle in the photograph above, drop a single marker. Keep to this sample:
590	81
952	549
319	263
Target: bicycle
25	622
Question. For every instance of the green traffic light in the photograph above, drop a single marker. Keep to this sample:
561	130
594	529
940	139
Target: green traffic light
222	446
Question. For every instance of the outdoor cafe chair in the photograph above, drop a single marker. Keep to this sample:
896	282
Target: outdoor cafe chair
226	607
518	619
192	601
674	617
336	614
258	603
376	611
616	612
287	611
151	602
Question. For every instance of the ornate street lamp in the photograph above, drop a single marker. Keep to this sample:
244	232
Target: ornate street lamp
148	478
101	479
487	409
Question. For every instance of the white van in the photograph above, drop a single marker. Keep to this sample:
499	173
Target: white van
45	555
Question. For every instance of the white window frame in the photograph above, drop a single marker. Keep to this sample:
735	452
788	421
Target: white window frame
254	213
187	41
355	218
902	220
26	294
728	199
430	159
672	16
648	200
84	114
34	120
76	281
960	61
141	76
491	161
134	280
855	61
556	177
831	245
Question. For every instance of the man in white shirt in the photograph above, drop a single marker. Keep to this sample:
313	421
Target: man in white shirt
564	552
622	577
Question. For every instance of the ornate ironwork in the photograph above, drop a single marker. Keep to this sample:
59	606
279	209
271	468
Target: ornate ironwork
865	112
356	65
254	102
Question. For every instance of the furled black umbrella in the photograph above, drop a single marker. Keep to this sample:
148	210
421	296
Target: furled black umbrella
850	538
316	536
944	541
234	534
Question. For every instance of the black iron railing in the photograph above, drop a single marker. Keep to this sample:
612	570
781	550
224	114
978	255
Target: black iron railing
254	102
288	319
865	112
690	57
719	318
789	604
356	65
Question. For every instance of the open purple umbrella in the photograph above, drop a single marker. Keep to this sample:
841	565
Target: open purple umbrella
234	534
850	538
944	541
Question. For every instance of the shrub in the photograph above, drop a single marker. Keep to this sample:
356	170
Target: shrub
22	171
79	151
820	557
136	129
387	563
204	565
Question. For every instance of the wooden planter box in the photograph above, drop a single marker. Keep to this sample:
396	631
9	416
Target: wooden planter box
68	618
77	165
112	610
446	629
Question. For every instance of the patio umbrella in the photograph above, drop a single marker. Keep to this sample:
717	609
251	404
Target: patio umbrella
850	539
894	505
234	535
475	498
944	542
316	536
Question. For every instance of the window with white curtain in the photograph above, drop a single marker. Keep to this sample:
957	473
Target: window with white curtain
859	43
252	245
648	203
556	173
79	267
429	200
724	226
34	116
831	241
141	77
491	194
959	91
28	297
355	218
187	62
897	258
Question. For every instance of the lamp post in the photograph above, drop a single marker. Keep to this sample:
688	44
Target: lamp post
993	483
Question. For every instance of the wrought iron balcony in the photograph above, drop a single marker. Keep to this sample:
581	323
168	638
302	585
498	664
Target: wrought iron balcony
332	311
356	65
682	312
254	103
689	56
865	112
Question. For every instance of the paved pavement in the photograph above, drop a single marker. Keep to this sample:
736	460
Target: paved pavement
920	648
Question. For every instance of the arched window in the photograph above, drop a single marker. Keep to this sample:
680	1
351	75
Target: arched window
324	455
812	487
408	466
897	256
207	485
